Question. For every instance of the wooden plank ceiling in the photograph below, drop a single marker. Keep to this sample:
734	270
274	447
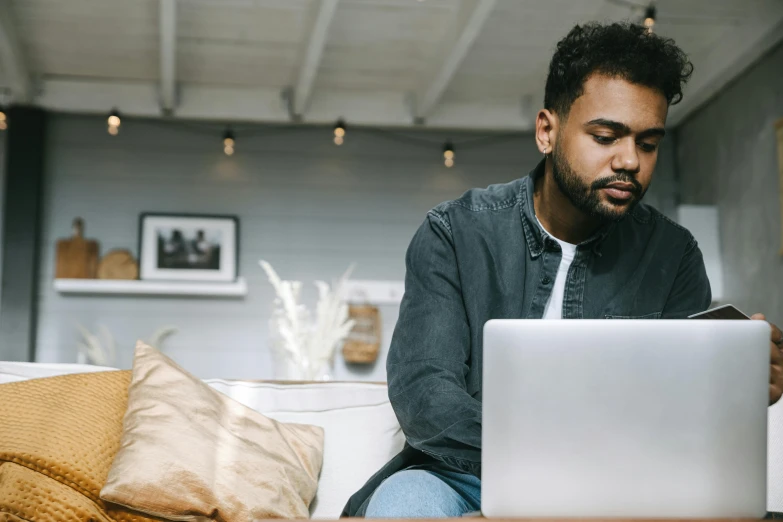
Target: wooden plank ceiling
473	64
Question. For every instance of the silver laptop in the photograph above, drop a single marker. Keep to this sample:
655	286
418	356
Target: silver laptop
626	418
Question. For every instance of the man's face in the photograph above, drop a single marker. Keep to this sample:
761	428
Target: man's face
605	151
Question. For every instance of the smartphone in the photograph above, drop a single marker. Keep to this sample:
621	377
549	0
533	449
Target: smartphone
722	312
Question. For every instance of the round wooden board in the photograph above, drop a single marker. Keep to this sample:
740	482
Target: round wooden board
118	264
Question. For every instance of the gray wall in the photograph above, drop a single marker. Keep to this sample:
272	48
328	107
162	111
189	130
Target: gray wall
663	190
726	156
2	199
308	207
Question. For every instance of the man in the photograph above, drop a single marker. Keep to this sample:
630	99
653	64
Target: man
569	241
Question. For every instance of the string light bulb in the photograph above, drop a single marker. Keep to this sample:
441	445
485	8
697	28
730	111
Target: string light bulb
3	119
649	18
228	142
114	122
339	132
448	154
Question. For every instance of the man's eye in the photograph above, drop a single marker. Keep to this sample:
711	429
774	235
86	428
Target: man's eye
604	140
648	147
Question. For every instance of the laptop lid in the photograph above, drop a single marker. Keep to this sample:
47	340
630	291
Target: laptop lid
633	418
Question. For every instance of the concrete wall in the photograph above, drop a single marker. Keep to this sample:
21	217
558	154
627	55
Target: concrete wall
726	156
663	190
2	198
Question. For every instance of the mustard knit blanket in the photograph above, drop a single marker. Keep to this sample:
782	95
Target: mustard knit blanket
58	437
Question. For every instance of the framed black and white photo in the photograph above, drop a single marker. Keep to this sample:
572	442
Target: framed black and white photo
188	247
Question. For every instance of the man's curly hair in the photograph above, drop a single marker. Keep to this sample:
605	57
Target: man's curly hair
621	50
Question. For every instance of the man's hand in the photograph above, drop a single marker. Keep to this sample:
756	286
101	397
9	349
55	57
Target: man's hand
775	361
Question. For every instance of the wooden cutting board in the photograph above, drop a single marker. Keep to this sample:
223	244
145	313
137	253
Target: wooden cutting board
118	264
77	258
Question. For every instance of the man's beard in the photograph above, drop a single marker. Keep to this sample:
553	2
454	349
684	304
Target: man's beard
587	198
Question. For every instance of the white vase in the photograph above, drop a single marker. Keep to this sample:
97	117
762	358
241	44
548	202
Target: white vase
286	368
291	363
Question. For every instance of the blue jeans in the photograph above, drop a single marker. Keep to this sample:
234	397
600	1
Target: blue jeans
418	493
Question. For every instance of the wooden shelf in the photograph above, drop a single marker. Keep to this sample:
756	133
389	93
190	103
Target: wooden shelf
170	288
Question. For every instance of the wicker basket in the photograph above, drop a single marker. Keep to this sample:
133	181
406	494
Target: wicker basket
364	342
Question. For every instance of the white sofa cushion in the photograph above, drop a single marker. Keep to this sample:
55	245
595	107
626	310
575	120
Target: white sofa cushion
269	396
361	431
358	441
21	371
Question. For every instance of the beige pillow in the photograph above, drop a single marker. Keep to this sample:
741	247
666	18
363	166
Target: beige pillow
188	451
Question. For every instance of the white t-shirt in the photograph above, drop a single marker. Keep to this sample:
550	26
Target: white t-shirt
554	306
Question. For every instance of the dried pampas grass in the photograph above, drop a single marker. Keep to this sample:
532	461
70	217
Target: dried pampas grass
309	344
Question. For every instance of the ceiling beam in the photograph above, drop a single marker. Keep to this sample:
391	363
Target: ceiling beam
312	55
12	59
728	58
466	27
168	54
262	105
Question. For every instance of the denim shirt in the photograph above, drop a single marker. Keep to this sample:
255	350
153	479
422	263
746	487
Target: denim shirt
483	256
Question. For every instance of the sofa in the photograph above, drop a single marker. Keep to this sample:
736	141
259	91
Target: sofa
361	430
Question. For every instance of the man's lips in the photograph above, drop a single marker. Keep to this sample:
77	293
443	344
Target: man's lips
619	190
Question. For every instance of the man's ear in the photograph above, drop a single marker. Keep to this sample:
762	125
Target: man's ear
546	130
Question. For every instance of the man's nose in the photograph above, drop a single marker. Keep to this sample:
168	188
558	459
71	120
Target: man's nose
626	157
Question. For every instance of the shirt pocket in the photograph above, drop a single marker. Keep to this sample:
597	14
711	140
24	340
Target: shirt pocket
654	315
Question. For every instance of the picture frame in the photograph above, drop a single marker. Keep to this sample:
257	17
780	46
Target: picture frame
188	247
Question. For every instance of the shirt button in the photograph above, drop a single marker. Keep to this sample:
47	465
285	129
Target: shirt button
546	280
